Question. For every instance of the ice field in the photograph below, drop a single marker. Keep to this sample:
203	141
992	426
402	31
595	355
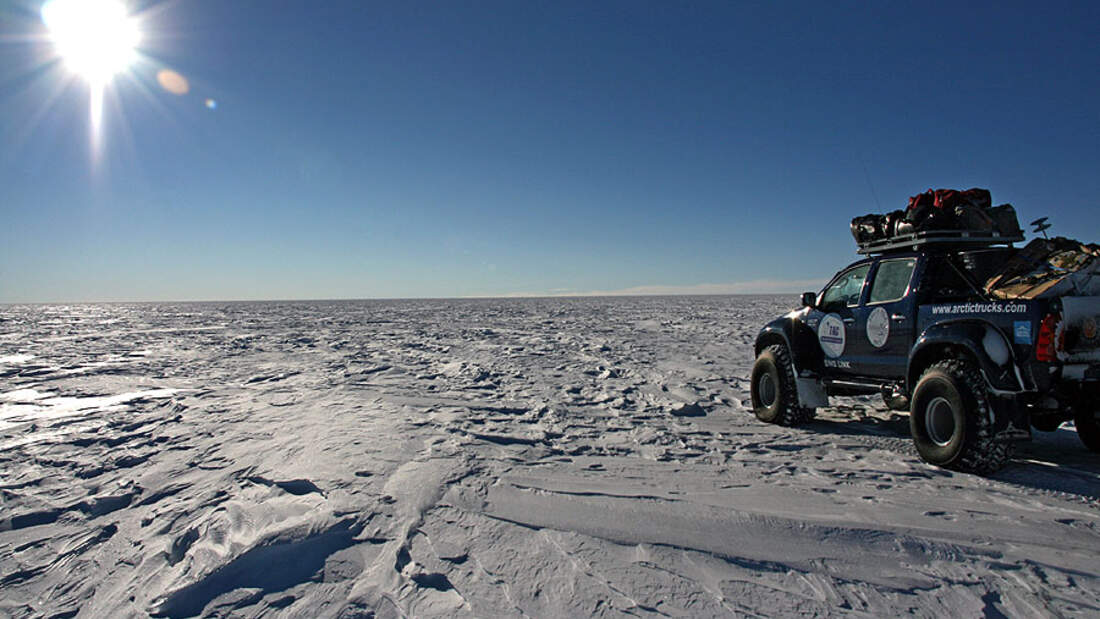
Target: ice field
513	457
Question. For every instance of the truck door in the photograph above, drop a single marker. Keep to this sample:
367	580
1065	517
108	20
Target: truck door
836	319
884	321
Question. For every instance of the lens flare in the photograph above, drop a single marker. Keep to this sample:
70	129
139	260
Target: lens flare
173	82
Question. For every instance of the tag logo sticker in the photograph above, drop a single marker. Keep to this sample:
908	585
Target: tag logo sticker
831	335
1022	331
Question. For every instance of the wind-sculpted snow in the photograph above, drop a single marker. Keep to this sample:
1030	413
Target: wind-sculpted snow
538	457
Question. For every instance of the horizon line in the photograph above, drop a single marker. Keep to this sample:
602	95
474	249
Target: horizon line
510	296
748	288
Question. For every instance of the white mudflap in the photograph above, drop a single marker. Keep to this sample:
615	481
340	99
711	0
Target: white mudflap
811	393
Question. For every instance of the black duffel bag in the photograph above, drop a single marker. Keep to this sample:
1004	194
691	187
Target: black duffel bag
1005	221
868	228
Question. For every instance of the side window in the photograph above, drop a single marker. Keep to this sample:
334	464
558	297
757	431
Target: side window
941	282
892	280
844	291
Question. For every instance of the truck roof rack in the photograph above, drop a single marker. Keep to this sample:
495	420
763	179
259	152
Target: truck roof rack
951	240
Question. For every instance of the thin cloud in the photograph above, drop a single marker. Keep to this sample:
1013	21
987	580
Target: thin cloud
760	286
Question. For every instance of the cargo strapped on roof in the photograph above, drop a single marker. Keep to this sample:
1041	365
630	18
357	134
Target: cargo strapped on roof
949	218
953	240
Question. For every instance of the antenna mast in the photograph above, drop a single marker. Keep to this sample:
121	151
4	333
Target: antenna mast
1041	225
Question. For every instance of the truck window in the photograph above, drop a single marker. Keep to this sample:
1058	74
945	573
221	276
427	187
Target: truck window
892	280
941	282
845	290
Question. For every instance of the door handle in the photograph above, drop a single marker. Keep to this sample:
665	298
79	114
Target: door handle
849	321
898	317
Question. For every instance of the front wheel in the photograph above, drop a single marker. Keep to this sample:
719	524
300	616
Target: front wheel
951	420
1088	427
774	394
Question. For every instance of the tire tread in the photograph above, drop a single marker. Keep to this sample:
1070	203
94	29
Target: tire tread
791	414
982	453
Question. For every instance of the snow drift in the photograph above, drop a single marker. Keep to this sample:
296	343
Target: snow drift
554	457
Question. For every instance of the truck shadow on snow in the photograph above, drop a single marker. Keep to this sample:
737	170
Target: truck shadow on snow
1051	461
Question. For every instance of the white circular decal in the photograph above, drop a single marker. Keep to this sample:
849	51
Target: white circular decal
878	327
830	333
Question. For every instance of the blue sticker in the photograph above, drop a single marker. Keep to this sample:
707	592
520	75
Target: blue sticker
1022	329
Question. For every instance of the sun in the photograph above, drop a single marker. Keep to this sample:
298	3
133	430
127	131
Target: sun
95	38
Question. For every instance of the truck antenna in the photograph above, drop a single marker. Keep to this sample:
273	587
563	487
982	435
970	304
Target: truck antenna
1041	225
867	175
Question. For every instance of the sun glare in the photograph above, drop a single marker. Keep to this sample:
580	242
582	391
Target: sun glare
96	39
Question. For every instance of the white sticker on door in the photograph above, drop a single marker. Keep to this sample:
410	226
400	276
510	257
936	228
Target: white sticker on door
830	333
878	327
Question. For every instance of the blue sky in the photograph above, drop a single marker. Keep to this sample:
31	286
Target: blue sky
424	149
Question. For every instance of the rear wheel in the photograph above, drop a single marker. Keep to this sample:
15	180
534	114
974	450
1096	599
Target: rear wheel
1088	427
1048	423
951	420
774	394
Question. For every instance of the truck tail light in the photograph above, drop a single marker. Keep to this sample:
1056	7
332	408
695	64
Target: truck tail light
1046	345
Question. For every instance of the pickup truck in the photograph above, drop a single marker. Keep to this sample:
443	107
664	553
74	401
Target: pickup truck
912	322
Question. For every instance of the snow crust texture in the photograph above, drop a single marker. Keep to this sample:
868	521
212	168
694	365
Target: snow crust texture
493	458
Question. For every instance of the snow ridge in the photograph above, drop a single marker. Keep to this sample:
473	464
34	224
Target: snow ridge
516	457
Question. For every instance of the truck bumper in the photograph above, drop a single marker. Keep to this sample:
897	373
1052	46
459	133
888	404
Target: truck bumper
1081	371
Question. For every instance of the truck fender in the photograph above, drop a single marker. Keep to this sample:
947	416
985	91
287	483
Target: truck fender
791	333
977	340
799	339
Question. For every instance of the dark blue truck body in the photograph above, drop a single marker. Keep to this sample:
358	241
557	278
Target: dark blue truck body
883	321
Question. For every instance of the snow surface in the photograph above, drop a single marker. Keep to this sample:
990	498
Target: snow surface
522	457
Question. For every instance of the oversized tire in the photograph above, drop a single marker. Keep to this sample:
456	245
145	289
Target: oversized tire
1087	420
951	420
774	394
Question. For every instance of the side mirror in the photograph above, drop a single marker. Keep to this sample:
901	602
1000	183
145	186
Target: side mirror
809	299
